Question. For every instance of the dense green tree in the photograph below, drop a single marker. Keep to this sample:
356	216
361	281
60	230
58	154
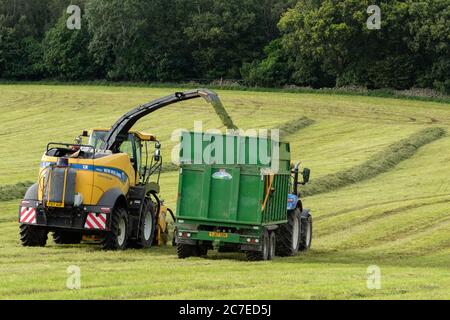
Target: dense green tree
140	40
225	34
66	53
327	43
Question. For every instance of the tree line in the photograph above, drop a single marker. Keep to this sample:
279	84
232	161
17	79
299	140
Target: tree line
315	43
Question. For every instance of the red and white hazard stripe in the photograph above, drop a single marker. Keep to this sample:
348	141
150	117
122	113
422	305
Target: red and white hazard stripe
27	215
95	221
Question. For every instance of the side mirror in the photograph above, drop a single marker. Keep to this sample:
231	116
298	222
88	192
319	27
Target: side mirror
306	173
84	133
157	155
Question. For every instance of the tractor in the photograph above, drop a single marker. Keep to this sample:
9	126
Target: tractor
106	189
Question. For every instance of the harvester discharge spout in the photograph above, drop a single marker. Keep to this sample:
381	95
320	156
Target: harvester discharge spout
119	130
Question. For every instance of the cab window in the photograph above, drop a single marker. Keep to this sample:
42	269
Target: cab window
127	147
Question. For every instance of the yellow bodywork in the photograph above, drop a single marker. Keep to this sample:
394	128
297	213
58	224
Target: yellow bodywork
141	135
96	176
162	232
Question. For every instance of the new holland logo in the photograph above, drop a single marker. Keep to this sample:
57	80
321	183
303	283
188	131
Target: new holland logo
222	175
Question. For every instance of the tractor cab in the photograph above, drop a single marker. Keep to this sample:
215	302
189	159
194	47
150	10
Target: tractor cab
136	145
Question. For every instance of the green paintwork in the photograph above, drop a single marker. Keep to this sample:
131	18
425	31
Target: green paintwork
230	194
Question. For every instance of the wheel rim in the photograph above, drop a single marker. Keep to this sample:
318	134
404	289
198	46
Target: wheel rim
295	233
121	231
148	226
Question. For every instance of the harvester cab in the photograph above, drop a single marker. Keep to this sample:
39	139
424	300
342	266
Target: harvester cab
106	188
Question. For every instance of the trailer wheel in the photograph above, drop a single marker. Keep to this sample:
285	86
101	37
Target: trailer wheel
146	228
32	236
306	234
265	249
272	245
67	237
186	250
288	235
116	238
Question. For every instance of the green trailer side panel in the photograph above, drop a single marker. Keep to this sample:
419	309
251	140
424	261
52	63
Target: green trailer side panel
232	193
235	200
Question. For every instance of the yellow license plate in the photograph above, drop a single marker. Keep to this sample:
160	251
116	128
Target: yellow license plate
218	235
55	204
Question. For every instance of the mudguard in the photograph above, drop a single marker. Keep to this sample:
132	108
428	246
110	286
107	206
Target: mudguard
110	197
32	193
292	201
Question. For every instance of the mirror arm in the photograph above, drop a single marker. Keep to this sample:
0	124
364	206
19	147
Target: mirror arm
296	183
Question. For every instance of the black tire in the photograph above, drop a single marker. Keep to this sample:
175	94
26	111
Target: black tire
186	250
147	226
202	250
32	236
286	244
225	248
67	237
264	253
272	244
307	231
174	237
116	238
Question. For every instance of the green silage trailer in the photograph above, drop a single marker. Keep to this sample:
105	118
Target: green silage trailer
239	193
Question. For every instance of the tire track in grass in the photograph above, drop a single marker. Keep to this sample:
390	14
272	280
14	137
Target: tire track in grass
402	225
358	208
356	221
381	162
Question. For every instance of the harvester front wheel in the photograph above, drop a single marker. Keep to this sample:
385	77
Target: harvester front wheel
306	234
264	254
67	237
288	235
32	236
146	230
116	238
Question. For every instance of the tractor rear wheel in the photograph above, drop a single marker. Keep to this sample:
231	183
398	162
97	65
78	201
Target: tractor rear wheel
32	236
264	254
288	235
146	228
116	238
67	237
306	234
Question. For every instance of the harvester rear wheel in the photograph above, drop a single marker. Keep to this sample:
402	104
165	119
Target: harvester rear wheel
306	234
264	254
67	237
32	236
288	235
116	238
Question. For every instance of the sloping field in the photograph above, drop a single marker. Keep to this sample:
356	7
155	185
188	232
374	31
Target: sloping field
393	210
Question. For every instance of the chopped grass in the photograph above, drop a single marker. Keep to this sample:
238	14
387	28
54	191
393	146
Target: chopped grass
382	161
14	191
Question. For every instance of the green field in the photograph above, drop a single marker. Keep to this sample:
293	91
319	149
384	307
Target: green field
397	219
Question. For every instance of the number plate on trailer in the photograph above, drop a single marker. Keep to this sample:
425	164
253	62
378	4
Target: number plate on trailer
218	234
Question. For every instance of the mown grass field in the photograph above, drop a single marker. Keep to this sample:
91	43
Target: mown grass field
398	219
